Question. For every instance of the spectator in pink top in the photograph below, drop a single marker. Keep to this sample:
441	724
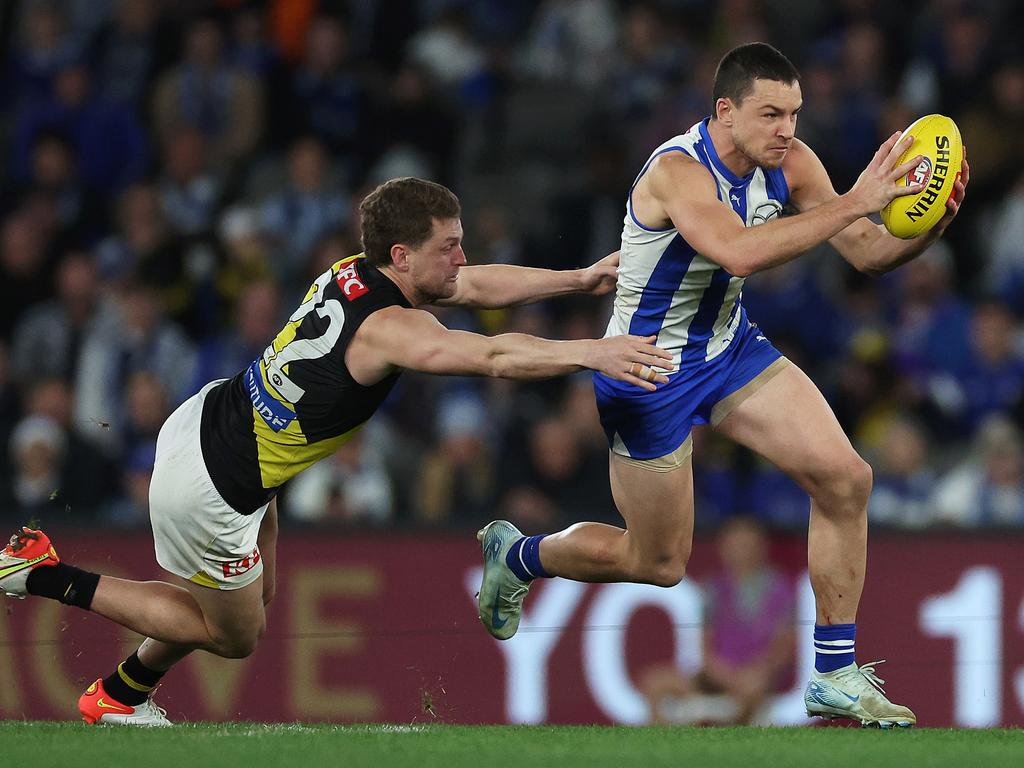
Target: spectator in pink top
748	638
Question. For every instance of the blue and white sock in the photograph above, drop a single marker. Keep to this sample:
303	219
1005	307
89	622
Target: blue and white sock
524	559
833	646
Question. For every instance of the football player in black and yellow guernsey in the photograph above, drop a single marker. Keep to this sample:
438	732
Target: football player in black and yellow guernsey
224	453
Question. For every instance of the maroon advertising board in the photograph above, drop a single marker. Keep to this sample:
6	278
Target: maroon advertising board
384	629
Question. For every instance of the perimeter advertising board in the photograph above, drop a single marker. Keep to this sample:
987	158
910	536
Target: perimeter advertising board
375	628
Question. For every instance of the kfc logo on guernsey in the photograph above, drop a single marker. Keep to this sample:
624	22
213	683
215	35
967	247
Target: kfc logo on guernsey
238	567
349	282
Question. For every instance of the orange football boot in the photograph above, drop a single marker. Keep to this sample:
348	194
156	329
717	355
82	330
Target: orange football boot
98	708
28	549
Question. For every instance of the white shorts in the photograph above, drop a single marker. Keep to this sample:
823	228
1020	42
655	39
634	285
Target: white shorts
197	535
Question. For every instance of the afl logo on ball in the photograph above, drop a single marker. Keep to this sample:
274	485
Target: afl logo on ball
921	174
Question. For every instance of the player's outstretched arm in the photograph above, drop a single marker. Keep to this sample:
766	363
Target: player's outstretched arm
395	338
493	286
867	246
688	195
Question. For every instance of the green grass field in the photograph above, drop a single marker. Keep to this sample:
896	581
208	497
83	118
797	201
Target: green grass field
381	746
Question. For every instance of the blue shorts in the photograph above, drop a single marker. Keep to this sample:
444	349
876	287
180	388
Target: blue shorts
649	425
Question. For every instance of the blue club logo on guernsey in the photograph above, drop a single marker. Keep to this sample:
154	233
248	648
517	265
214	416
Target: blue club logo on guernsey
270	409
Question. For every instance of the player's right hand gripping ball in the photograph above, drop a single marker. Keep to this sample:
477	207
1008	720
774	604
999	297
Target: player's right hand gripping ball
937	140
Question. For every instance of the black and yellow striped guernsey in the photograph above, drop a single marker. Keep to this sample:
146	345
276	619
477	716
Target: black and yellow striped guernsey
298	402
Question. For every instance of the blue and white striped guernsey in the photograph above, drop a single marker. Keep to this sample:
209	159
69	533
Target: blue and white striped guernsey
665	287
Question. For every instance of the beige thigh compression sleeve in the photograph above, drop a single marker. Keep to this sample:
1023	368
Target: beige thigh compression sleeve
726	405
665	463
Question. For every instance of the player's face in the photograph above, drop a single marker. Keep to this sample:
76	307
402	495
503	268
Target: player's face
764	123
434	266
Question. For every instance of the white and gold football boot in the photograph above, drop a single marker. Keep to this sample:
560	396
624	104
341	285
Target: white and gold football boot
856	693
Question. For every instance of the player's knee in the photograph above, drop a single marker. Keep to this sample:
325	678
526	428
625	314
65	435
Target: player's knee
665	571
843	485
668	574
864	478
240	647
855	481
239	643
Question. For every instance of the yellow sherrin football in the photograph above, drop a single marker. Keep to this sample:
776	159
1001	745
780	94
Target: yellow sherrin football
937	140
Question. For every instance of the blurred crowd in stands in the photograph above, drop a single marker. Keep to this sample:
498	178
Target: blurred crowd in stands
174	174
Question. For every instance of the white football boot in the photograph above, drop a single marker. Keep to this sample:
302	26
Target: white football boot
501	595
855	693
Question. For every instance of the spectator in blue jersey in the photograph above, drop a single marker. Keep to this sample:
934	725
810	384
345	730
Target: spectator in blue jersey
717	484
351	487
50	338
256	319
128	51
642	70
80	216
1004	273
329	99
250	50
450	55
987	487
142	341
790	304
931	322
904	478
191	189
130	507
993	380
207	94
46	46
570	41
109	142
775	499
309	206
146	407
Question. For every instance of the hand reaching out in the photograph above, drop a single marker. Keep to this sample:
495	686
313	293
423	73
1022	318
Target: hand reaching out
600	277
633	359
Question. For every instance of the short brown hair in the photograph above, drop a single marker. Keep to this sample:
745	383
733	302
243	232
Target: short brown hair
403	211
740	67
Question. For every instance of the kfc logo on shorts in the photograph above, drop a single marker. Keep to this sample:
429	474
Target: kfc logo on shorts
238	567
921	174
349	282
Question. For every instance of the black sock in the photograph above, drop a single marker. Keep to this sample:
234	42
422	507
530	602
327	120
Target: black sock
63	582
132	681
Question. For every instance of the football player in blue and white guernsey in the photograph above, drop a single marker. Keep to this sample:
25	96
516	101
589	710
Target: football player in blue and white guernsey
702	216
